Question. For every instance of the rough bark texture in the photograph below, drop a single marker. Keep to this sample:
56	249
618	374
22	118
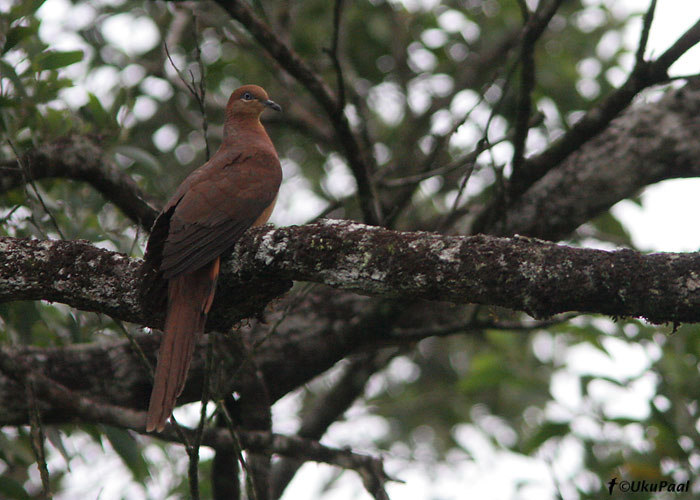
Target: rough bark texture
519	273
645	145
539	277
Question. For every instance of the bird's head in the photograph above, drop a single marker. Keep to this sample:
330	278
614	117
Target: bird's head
249	100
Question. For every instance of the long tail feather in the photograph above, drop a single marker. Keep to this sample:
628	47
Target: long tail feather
189	298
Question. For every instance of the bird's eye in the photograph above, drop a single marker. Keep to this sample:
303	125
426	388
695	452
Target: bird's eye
247	96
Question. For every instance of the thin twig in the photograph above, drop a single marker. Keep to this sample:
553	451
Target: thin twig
360	163
198	91
524	106
333	53
644	35
467	175
455	164
190	87
444	140
200	95
461	162
38	438
193	467
205	393
30	180
535	25
238	449
136	347
645	74
474	325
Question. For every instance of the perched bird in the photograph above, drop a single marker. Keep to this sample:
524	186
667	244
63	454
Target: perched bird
236	189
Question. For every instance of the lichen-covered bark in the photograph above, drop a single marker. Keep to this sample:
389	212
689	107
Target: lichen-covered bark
519	273
92	279
534	276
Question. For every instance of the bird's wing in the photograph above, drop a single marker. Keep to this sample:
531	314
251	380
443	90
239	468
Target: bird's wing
212	208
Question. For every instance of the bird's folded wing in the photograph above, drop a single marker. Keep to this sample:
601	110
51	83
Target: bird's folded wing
213	208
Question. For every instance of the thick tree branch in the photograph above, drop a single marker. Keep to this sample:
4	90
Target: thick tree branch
89	410
305	345
518	273
82	158
537	277
645	145
645	74
91	279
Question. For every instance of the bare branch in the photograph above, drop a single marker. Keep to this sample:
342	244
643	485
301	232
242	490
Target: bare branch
535	25
85	409
330	407
645	145
644	35
29	179
81	158
414	334
37	439
537	277
645	74
333	53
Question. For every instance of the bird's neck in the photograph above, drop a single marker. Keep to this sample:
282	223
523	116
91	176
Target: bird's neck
243	130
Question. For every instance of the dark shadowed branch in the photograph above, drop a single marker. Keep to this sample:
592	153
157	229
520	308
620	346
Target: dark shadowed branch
645	74
535	25
86	409
82	158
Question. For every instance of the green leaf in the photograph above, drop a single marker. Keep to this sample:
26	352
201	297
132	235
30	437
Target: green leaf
129	451
55	59
55	437
17	34
24	8
97	113
57	121
610	227
10	488
7	102
7	71
547	431
140	156
487	370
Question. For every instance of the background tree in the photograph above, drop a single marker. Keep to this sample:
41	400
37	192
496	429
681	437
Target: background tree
442	350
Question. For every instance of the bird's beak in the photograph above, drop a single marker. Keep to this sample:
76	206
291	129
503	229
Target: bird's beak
273	105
